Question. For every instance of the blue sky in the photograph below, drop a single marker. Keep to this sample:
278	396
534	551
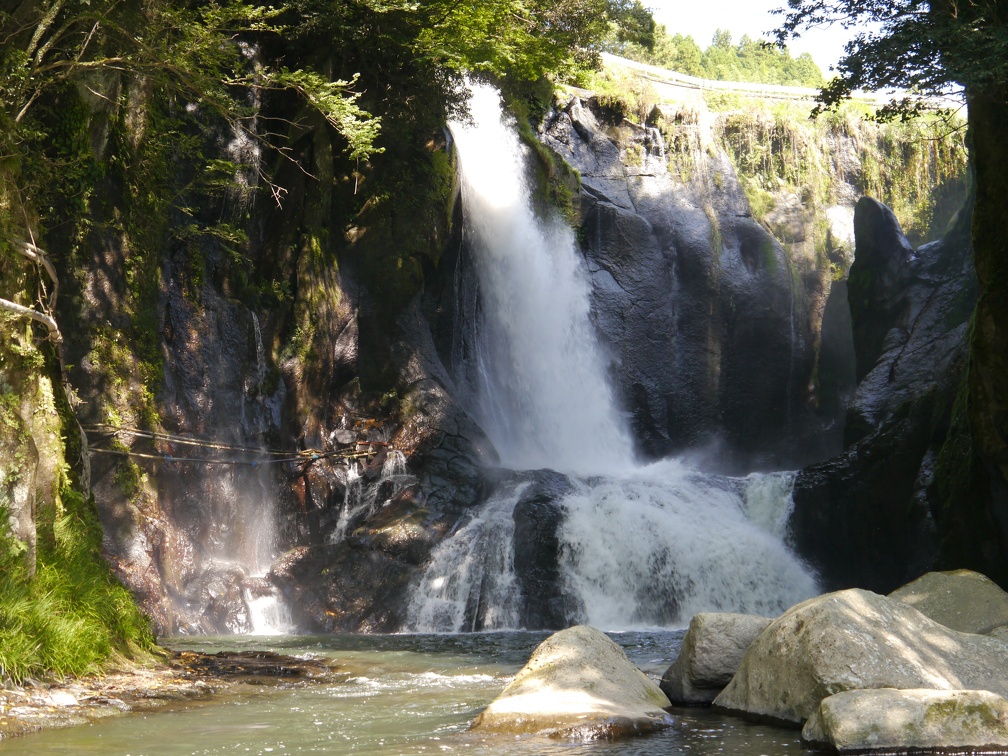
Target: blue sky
701	18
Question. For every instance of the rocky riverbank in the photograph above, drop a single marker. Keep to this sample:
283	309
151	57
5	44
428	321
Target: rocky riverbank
923	669
180	676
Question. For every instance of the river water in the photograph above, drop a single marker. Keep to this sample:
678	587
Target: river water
401	694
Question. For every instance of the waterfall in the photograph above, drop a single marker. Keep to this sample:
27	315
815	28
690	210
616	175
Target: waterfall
544	398
639	545
257	534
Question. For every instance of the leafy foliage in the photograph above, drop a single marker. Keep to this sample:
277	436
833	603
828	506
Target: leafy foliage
921	46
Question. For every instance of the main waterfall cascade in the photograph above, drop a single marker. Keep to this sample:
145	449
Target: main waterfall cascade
639	545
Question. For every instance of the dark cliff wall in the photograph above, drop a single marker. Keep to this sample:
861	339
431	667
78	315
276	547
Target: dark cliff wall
901	498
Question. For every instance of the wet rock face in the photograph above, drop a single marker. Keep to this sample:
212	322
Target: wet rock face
868	517
909	312
695	301
342	588
537	517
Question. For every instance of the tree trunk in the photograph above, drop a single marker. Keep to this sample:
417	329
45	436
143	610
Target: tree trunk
988	368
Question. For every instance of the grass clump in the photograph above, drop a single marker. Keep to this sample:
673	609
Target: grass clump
73	616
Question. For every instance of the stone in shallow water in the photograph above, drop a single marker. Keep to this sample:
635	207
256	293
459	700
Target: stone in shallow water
579	684
901	721
851	640
962	599
711	653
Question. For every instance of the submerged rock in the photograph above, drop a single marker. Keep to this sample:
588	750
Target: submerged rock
851	640
577	684
963	600
906	721
712	651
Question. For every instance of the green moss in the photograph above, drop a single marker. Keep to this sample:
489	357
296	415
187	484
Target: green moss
634	155
768	253
761	202
621	94
127	476
972	716
557	183
716	238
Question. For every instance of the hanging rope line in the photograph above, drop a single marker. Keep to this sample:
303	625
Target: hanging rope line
356	450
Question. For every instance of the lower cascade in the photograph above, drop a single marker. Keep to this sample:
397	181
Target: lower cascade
636	545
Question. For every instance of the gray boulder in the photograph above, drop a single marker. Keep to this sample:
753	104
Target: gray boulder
711	653
579	684
963	600
903	721
851	640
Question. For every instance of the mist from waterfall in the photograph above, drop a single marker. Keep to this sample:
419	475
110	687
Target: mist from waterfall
639	545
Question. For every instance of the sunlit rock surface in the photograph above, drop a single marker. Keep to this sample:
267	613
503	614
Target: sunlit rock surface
902	721
711	330
711	653
962	600
577	684
851	640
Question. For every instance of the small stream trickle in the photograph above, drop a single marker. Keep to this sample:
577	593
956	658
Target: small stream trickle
469	583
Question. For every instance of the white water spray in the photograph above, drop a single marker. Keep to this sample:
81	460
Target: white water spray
363	498
640	546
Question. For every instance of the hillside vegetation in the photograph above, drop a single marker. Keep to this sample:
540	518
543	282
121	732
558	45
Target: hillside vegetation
748	60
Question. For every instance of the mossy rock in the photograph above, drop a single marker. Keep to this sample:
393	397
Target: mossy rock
962	600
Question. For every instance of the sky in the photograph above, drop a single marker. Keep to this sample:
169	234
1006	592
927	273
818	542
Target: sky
701	18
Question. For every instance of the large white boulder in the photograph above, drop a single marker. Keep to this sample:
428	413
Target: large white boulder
962	599
859	721
578	683
857	639
712	651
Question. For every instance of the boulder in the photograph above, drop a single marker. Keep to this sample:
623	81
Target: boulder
856	639
578	683
711	653
901	721
963	600
1001	633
